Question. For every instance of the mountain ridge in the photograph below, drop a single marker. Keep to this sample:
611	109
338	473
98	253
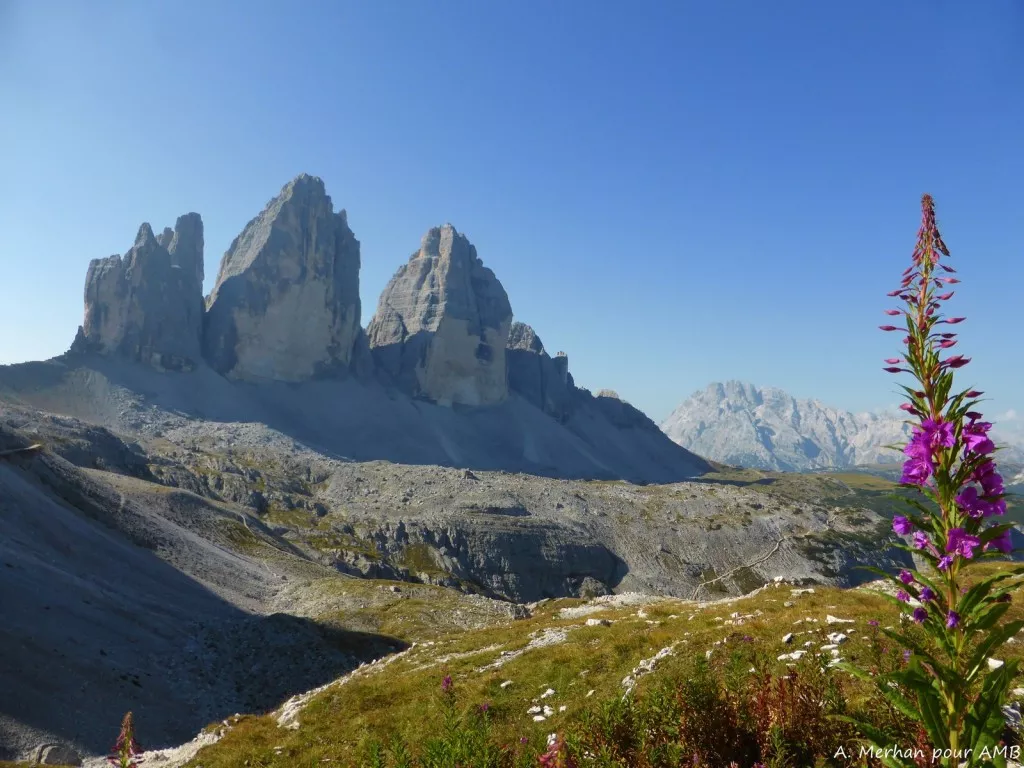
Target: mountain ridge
739	423
437	377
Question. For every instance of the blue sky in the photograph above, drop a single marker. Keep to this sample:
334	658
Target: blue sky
671	192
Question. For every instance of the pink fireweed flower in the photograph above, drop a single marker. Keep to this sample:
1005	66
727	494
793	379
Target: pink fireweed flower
938	433
920	540
970	503
446	684
947	343
976	506
1001	543
892	360
953	320
919	467
902	596
888	327
974	394
927	594
952	619
944	562
945	296
901	525
906	577
920	614
126	747
990	480
957	361
975	434
893	312
960	542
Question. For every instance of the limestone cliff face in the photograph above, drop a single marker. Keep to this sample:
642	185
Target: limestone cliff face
286	302
541	379
148	304
442	324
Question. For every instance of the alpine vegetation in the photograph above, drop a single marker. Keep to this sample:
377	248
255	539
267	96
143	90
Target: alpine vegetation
952	686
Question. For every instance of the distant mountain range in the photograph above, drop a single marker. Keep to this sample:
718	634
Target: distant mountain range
741	424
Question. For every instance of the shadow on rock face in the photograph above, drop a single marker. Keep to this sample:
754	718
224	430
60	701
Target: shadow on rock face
95	625
344	416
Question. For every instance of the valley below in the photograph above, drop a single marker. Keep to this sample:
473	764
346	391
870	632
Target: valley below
221	568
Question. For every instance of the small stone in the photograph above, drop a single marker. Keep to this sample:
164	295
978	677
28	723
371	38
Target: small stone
506	684
533	710
788	604
548	711
788	637
539	718
598	623
830	619
995	663
589	693
57	754
548	692
837	637
563	708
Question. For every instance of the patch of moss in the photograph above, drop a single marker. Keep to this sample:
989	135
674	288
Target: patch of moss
418	558
241	538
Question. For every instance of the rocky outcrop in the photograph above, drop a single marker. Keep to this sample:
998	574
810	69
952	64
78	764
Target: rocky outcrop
442	324
148	304
543	380
286	304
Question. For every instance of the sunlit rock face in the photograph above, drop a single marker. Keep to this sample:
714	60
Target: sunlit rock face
147	305
286	302
442	324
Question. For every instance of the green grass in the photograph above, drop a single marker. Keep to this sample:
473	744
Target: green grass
402	698
241	538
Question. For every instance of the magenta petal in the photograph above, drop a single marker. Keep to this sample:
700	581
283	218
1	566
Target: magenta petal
888	327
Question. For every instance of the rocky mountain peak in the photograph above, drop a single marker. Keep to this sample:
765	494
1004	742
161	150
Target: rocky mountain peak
739	423
522	336
286	302
533	374
143	306
442	324
186	245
